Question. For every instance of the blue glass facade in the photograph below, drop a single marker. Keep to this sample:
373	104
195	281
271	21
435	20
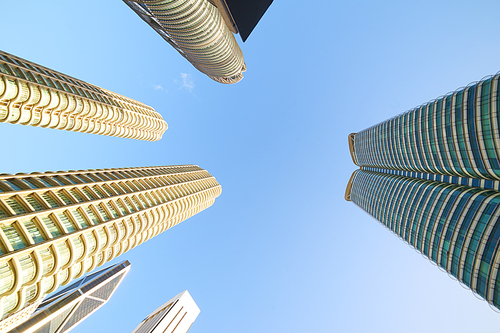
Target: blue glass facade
431	175
455	135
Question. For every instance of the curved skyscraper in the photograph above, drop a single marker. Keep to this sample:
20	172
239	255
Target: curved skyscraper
56	226
432	175
199	32
34	95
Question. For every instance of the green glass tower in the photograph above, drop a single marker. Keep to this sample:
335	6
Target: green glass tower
431	175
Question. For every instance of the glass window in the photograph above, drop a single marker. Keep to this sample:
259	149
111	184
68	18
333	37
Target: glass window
130	206
116	188
80	219
49	223
34	231
98	192
88	194
91	215
15	205
3	69
66	222
13	236
77	195
28	267
45	182
108	191
74	179
34	203
64	198
52	203
65	256
55	181
102	213
47	259
13	185
136	203
112	210
2	213
64	180
121	207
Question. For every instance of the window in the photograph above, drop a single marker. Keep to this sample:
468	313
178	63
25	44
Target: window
52	203
64	198
49	223
98	192
112	210
102	213
88	194
77	195
13	185
91	215
34	203
34	231
2	213
66	222
80	219
13	236
15	205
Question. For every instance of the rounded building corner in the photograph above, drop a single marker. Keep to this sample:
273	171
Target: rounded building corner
350	138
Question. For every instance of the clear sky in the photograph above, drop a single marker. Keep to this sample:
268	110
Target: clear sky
280	250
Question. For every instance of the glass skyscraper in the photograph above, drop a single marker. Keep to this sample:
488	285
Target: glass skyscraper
431	175
57	226
34	95
67	308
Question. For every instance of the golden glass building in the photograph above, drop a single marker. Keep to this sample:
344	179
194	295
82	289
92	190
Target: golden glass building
432	174
56	226
200	31
34	95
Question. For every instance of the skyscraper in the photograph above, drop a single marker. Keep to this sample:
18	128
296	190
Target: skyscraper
19	317
202	31
67	308
34	95
177	315
432	174
56	226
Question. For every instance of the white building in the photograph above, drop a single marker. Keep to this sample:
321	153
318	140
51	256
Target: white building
177	315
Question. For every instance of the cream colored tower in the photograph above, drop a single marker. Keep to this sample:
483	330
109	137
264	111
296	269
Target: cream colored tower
38	96
56	226
199	32
175	316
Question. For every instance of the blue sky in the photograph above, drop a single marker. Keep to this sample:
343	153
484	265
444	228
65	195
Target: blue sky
280	250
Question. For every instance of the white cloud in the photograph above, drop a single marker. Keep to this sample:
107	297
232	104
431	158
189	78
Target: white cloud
158	87
187	81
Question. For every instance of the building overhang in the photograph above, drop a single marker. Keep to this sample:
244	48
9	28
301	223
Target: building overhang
226	14
241	16
351	148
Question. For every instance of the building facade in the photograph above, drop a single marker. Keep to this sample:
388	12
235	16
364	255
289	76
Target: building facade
15	319
431	175
67	308
199	31
177	315
56	226
34	95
